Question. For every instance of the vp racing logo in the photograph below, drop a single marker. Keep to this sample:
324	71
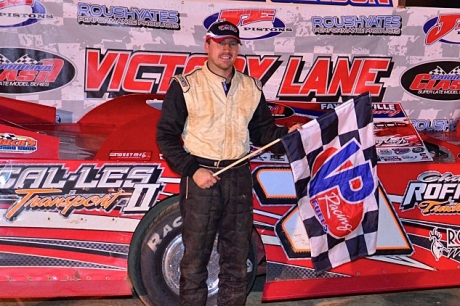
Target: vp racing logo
25	71
19	13
339	186
254	24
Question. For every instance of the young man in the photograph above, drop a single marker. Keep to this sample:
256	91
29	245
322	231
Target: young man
216	110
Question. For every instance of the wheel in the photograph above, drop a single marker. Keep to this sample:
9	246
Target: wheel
155	253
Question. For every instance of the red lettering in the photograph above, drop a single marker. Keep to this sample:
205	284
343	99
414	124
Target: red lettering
343	77
290	86
11	3
367	80
245	17
26	75
8	75
262	69
132	82
317	78
418	82
170	62
361	76
195	60
444	25
98	71
50	76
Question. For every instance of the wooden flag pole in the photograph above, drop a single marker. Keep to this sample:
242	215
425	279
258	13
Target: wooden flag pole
247	157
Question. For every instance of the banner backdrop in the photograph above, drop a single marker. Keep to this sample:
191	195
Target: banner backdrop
75	55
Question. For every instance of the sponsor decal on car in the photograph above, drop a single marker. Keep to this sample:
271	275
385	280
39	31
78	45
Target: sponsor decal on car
26	71
54	187
280	111
443	125
433	193
12	143
130	155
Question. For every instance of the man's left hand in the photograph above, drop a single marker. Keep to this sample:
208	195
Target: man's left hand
296	126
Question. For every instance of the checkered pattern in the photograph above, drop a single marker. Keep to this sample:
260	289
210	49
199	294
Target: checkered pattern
333	161
4	60
438	71
456	71
25	59
8	136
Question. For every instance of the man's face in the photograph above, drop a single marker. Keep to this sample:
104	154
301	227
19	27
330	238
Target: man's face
222	55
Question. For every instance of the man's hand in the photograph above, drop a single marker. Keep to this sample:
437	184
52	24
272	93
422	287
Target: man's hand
204	178
296	126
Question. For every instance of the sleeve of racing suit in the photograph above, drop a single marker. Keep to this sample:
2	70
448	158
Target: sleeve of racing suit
263	130
169	130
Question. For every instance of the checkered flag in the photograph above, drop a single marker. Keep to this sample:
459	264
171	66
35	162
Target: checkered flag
455	71
4	60
25	59
437	71
333	161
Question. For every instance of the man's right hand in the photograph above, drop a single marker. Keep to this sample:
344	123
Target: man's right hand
204	178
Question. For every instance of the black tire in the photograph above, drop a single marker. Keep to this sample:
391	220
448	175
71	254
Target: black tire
155	253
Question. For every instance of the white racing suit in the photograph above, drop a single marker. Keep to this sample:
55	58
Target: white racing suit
216	128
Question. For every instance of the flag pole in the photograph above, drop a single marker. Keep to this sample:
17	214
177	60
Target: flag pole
247	157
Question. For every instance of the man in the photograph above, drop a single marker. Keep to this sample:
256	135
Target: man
216	110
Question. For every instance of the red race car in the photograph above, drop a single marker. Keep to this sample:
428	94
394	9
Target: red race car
91	208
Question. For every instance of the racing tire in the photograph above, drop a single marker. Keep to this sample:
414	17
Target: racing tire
155	253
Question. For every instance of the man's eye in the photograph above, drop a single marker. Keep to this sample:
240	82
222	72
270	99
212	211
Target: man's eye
233	44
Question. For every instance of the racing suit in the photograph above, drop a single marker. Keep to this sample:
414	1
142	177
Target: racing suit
216	126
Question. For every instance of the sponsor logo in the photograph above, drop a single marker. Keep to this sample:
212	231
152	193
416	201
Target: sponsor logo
280	111
449	249
443	28
409	157
390	158
25	71
392	141
329	105
20	13
384	151
339	203
357	25
91	13
254	24
132	188
401	151
433	193
418	150
435	124
129	155
341	2
435	80
12	143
